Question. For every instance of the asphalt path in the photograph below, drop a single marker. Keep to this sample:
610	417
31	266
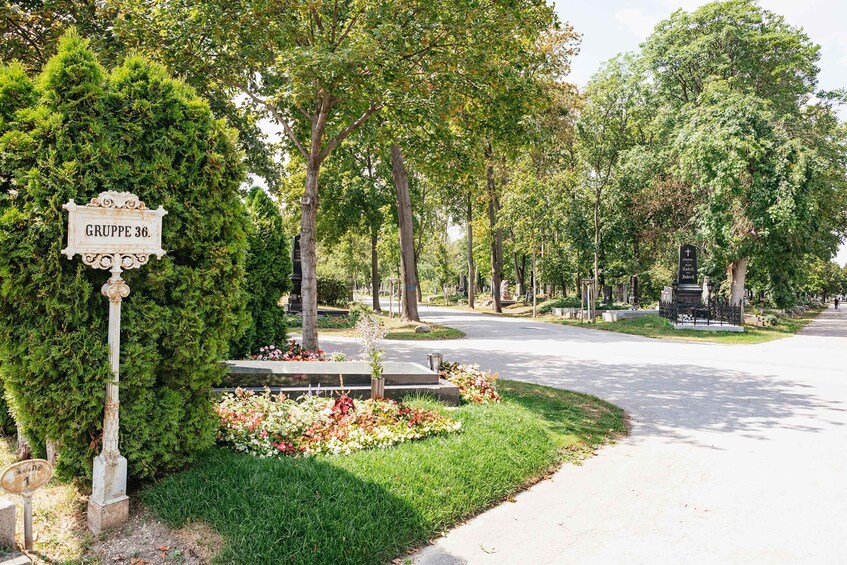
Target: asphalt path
738	453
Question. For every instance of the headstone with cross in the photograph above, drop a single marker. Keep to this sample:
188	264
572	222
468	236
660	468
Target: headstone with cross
688	291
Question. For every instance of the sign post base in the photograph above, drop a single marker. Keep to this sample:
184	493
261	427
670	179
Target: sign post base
109	516
108	506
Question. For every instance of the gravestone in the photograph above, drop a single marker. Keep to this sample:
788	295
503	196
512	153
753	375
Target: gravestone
295	298
607	293
504	291
688	291
667	294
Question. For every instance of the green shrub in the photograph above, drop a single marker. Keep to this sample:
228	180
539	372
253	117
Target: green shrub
136	130
267	276
566	302
7	422
357	310
333	292
574	302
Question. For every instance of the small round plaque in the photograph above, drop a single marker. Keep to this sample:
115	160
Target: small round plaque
26	476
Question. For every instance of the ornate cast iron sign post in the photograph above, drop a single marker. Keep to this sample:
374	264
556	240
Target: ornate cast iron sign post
114	231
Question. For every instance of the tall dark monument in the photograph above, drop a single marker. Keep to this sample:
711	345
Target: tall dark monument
688	291
295	299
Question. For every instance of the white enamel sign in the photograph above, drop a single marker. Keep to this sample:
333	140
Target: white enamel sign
115	223
24	477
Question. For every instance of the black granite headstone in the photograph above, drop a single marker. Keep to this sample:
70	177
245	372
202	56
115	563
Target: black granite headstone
687	266
689	292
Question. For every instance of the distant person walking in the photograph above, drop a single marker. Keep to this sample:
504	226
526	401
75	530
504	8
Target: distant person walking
836	302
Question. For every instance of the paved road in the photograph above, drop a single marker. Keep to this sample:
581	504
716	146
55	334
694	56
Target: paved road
738	453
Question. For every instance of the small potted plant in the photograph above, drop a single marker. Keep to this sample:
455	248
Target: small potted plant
372	332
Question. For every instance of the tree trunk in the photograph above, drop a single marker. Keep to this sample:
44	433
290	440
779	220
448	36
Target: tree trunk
520	269
375	271
578	286
52	450
596	240
634	278
496	235
308	256
419	293
534	286
471	280
24	451
634	290
407	242
737	274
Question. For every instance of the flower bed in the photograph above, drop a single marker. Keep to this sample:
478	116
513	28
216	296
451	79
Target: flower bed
269	425
475	386
293	352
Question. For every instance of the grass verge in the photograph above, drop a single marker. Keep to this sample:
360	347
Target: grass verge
372	506
656	327
398	329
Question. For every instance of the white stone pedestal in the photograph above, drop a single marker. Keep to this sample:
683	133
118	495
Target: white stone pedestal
108	506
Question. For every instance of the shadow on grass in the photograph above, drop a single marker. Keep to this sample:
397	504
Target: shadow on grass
575	419
287	510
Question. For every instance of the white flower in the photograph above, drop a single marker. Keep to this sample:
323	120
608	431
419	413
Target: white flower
372	332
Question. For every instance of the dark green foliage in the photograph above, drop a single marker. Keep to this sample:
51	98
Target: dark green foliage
333	292
7	422
133	130
575	302
16	91
267	277
566	302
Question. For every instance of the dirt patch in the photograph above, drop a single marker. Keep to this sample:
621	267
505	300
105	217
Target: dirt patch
145	540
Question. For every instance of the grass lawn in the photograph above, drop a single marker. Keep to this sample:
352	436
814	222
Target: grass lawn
654	326
397	329
372	506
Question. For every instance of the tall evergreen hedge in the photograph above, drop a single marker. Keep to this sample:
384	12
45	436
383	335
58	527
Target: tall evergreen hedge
267	278
134	129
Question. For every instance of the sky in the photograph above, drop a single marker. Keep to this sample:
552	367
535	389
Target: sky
609	27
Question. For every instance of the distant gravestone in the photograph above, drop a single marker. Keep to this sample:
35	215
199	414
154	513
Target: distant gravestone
688	291
504	291
607	293
295	298
667	294
687	266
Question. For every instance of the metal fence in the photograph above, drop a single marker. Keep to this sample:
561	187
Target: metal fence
714	312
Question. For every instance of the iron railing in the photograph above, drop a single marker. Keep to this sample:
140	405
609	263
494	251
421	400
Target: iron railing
713	312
